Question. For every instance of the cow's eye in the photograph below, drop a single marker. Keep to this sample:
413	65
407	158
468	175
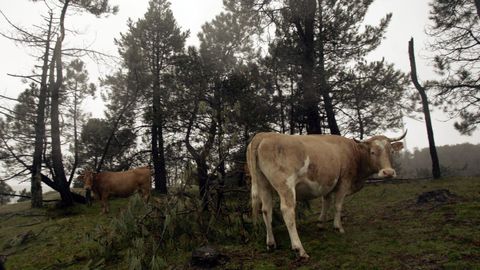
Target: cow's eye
372	152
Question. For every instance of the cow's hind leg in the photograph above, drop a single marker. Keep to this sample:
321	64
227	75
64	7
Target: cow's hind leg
262	196
287	205
326	200
337	221
265	195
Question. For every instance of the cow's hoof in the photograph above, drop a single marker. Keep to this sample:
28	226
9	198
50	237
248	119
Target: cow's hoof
271	246
341	230
302	255
304	258
321	226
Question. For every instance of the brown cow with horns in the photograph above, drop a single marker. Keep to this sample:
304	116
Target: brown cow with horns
121	184
302	167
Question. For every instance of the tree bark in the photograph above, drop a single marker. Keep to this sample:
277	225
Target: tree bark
200	156
36	184
324	88
305	31
55	85
282	102
477	5
54	185
246	140
292	108
221	157
75	136
426	111
158	153
203	183
158	159
361	128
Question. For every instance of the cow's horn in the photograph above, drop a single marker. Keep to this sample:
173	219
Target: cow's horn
357	140
399	138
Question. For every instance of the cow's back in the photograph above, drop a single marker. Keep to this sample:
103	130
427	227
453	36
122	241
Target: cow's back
292	150
281	152
123	183
318	162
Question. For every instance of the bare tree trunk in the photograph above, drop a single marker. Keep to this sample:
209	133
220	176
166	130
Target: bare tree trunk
200	156
161	159
306	41
292	109
431	141
242	181
360	124
324	88
75	136
36	184
55	85
158	153
158	160
221	157
282	106
477	5
203	183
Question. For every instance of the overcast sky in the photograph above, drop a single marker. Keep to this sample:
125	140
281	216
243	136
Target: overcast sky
410	19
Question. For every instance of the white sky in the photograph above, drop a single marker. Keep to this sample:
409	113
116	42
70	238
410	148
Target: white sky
410	18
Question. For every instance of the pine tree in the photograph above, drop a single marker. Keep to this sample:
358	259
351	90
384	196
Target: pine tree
148	50
319	40
456	45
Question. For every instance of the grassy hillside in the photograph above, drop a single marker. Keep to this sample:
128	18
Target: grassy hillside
385	229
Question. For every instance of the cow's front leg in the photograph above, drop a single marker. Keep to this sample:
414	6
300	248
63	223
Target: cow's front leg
337	221
287	205
105	207
325	206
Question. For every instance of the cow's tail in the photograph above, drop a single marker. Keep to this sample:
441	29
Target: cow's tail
255	174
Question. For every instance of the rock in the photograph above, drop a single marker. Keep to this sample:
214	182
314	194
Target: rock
3	259
436	196
206	257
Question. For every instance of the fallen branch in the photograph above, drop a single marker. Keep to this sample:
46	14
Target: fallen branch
29	224
15	195
394	180
26	196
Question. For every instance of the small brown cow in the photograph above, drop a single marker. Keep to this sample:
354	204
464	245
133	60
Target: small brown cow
309	166
121	184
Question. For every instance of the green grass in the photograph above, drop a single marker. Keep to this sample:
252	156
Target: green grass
385	229
55	239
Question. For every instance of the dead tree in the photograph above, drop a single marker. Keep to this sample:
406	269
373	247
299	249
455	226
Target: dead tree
426	111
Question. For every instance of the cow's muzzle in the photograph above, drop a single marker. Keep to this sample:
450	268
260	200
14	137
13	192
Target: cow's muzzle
387	173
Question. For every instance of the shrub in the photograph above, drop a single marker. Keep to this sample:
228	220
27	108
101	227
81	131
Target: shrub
144	231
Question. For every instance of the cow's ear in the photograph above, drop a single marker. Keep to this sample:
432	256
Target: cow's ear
397	146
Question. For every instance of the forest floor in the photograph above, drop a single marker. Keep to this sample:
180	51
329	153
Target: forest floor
385	229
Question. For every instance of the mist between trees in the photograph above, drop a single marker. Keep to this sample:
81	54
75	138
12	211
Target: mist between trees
190	111
455	160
